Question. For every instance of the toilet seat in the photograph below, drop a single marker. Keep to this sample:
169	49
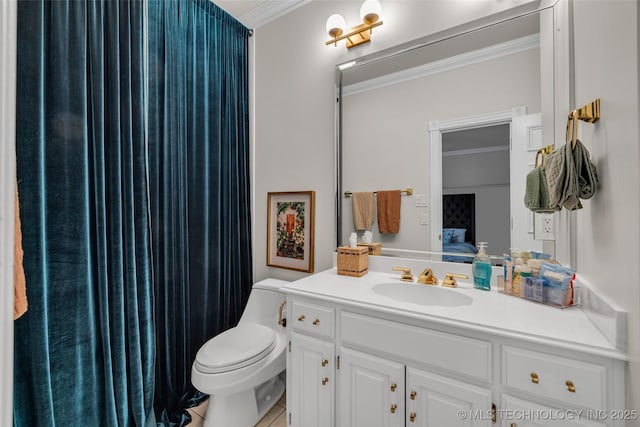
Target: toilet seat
235	348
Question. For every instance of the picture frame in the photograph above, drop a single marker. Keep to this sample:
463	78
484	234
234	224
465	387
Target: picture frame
290	230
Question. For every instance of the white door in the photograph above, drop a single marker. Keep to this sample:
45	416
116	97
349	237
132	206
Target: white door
521	413
526	140
370	391
436	401
311	393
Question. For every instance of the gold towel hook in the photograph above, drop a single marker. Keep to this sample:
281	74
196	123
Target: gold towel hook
543	152
589	113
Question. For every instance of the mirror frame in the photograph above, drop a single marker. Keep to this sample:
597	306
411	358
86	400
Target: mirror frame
560	103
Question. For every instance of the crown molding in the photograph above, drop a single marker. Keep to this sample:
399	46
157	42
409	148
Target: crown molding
268	11
480	55
469	151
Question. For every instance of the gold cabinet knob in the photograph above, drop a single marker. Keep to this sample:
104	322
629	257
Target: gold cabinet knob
325	380
301	318
412	395
514	425
316	322
534	378
394	386
325	362
570	386
412	417
393	408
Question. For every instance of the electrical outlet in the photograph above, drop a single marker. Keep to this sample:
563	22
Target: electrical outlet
544	227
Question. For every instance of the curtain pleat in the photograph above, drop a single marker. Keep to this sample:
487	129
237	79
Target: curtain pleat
199	184
84	352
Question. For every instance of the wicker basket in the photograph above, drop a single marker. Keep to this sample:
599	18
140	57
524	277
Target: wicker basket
374	248
353	261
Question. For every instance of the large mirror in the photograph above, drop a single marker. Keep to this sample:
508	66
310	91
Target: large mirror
455	119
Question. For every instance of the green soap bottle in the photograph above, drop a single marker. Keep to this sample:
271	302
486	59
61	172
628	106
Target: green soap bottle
481	268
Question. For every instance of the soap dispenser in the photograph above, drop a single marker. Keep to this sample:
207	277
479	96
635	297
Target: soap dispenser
481	268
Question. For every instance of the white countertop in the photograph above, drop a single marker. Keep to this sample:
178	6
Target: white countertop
490	312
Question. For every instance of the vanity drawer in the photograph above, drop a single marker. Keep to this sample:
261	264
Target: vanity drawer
312	318
559	379
454	353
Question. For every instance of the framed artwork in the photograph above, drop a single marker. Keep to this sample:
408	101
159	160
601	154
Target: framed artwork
290	228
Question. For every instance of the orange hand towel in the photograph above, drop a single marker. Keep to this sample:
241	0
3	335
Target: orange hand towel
389	211
363	210
19	281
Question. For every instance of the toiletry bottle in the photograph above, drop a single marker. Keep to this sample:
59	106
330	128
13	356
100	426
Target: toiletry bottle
515	281
525	271
508	273
481	268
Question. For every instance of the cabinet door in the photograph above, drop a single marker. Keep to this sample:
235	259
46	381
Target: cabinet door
370	391
311	372
436	401
522	413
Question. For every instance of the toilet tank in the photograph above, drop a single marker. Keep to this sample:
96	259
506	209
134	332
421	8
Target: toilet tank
264	303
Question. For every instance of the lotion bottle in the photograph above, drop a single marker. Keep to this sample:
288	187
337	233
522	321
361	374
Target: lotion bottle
481	268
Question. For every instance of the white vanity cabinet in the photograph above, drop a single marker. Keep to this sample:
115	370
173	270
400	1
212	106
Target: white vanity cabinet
311	388
434	400
370	391
310	365
359	363
584	390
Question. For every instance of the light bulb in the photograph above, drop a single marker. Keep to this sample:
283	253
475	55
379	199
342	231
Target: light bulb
370	11
335	25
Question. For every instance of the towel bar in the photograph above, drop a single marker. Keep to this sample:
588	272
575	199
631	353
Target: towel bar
408	191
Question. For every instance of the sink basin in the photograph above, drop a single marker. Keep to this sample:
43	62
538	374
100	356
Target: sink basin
422	294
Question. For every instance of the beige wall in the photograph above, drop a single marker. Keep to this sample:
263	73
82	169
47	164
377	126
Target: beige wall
294	122
608	249
294	101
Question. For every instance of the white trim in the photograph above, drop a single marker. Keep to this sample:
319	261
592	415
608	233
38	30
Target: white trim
8	41
476	56
436	129
475	151
268	11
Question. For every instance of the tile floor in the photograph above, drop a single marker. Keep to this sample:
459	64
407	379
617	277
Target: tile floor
276	417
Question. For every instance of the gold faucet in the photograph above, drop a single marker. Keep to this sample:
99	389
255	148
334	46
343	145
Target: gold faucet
406	273
450	279
427	278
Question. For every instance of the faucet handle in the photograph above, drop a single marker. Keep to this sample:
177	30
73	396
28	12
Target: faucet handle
450	279
427	277
406	273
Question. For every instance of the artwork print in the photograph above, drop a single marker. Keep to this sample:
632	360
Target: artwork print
290	228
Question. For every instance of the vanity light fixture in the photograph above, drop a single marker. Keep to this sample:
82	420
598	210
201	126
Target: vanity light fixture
370	13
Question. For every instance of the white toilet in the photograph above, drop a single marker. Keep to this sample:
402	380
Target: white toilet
240	368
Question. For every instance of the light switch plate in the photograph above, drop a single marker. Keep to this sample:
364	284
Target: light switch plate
422	200
424	219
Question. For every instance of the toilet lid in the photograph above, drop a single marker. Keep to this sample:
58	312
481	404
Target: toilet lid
235	348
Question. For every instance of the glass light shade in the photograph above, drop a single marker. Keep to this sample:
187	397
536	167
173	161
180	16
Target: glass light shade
370	11
335	25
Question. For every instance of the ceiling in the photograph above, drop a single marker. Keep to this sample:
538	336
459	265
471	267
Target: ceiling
254	13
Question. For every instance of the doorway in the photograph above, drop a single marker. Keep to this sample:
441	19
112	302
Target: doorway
525	138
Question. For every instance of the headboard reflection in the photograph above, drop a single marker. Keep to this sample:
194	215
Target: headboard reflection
459	211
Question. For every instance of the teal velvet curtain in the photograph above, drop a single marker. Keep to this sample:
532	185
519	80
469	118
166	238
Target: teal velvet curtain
199	182
84	352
